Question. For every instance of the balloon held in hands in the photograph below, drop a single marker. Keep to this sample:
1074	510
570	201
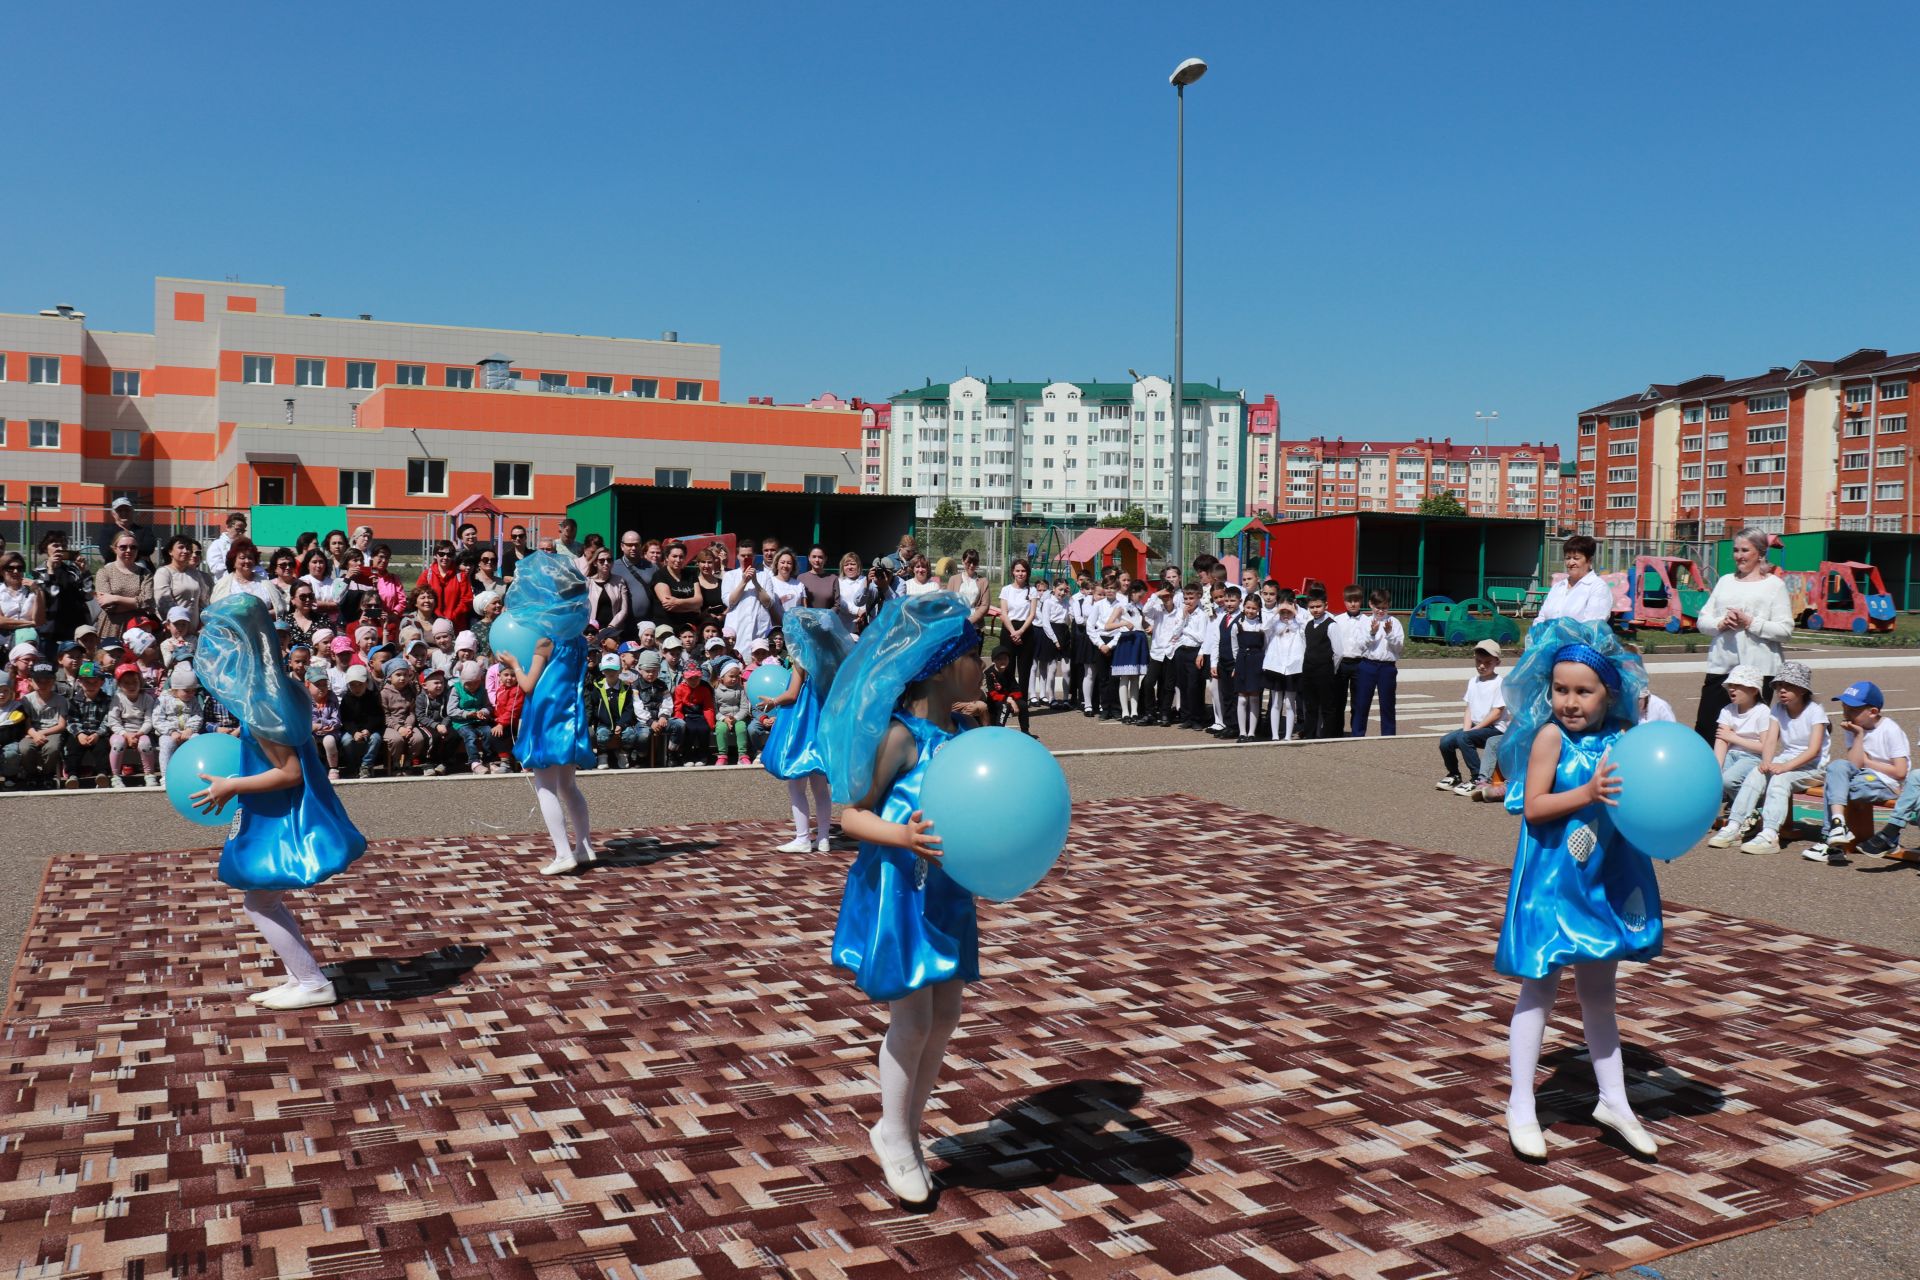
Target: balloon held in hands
510	635
769	681
1669	788
998	803
215	754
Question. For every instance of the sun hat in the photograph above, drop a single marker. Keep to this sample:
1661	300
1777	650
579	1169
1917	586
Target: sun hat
1746	676
1797	674
341	644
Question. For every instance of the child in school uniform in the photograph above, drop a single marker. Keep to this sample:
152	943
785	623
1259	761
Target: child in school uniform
1162	614
1249	632
1285	658
1218	653
1052	642
1350	644
1101	641
1130	651
1189	660
1319	667
1383	640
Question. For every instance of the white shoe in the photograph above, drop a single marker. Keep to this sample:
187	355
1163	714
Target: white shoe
1447	783
1628	1127
1527	1138
904	1175
561	864
1467	788
1726	837
260	996
823	846
151	779
1839	833
1814	853
296	996
1765	842
119	783
799	844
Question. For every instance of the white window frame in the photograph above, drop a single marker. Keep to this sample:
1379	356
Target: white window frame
520	492
38	496
38	368
38	435
426	478
458	378
410	375
251	369
583	486
120	436
1719	412
677	478
126	382
362	375
649	389
1771	402
1894	390
348	481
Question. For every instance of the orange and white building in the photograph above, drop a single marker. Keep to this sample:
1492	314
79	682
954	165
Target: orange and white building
1320	477
233	402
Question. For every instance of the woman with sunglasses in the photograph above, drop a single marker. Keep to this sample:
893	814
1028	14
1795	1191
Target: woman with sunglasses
608	606
23	609
285	567
482	569
452	590
302	616
121	589
180	582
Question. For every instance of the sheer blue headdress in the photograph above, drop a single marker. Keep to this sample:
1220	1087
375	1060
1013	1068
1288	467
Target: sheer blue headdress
1529	687
549	594
819	641
237	660
913	638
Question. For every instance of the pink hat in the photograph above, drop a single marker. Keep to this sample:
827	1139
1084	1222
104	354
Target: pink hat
364	633
342	645
442	627
465	640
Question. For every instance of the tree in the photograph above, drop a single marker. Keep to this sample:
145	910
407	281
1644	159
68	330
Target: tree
1134	518
1443	503
947	531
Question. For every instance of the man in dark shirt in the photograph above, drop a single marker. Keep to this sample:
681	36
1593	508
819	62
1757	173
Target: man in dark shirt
637	565
511	553
67	586
124	523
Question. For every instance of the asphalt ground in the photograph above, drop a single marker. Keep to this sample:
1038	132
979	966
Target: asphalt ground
1382	788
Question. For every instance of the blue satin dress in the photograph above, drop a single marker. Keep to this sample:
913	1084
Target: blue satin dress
1579	892
292	838
904	924
553	723
793	747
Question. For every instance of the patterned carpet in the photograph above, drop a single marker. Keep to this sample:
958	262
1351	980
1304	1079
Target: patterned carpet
1274	1051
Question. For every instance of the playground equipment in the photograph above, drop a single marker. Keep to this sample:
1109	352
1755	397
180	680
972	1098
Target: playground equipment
1666	592
1421	624
1099	549
1841	595
1466	621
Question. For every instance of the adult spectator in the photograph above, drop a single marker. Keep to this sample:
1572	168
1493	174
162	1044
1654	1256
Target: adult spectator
124	523
609	609
515	548
285	568
243	573
1584	596
391	592
452	592
850	591
180	583
220	548
482	565
336	545
362	539
821	583
898	560
466	538
785	585
122	589
972	587
329	588
636	568
747	592
566	536
711	570
1748	615
23	609
676	589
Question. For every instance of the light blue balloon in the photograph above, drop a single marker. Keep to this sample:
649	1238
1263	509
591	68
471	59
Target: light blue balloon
509	634
1669	788
215	754
769	681
998	801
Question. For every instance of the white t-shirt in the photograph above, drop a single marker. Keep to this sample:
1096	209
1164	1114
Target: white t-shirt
1588	600
1016	602
850	596
1885	741
1797	731
1658	708
1483	696
1750	723
915	587
748	619
790	593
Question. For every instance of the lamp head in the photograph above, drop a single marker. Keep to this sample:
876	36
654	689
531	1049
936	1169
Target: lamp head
1187	72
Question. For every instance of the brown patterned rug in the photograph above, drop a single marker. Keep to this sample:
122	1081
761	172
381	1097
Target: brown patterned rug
1277	1050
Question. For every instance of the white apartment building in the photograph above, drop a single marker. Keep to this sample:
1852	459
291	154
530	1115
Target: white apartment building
1065	450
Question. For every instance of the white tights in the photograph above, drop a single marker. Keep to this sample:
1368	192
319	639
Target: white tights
1593	982
1129	696
1249	711
1277	702
558	792
919	1026
268	911
797	789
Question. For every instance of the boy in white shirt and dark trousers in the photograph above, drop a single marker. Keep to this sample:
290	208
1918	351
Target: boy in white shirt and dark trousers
1484	720
1319	662
1870	762
1378	671
1349	642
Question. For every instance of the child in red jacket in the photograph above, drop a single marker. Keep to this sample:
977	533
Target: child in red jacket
1005	697
690	732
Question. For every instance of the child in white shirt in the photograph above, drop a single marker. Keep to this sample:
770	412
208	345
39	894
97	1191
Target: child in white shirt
1794	752
1280	665
1740	733
1872	763
1483	721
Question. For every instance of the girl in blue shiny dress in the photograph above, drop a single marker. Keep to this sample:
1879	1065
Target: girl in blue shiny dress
906	931
1579	895
818	642
292	832
549	595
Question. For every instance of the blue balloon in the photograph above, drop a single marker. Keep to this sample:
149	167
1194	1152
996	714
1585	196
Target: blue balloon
215	754
509	634
769	681
998	801
1669	788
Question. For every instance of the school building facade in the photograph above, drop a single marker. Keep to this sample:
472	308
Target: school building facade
233	402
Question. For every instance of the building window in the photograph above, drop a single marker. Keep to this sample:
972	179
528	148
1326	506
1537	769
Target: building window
44	370
688	391
43	495
602	383
1862	394
590	479
1766	435
1854	461
1853	493
1716	441
426	477
1689	444
649	389
126	382
43	433
1622	448
309	373
356	488
1623	475
553	382
1623	422
1692	413
1893	424
1889	492
273	491
1718	412
1716	471
753	481
1775	403
257	370
410	375
513	480
1890	458
1767	465
460	379
671	478
359	375
819	484
1894	390
125	444
1766	495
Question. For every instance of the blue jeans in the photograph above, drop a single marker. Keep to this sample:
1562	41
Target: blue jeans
370	755
477	738
629	739
687	735
1467	742
1907	807
1845	782
1734	772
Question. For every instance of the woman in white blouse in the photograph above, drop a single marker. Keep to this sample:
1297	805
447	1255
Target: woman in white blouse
1748	615
1017	600
788	591
971	586
850	592
922	582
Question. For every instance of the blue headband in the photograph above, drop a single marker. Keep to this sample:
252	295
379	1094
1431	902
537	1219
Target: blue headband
1588	656
966	642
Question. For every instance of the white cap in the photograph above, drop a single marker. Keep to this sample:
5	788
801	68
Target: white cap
138	641
179	613
357	672
182	677
22	650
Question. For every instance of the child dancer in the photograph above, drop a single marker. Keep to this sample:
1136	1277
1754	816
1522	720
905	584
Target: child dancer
293	832
819	642
906	931
549	595
1579	895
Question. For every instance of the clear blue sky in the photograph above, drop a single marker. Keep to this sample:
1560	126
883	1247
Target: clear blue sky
1397	213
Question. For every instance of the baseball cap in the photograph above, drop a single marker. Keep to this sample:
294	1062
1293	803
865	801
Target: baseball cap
627	646
693	672
183	677
341	644
1862	693
1489	645
126	669
671	642
88	671
119	502
416	643
761	645
356	672
139	641
470	671
716	644
86	629
42	670
395	666
68	646
179	613
1746	676
610	663
433	673
315	675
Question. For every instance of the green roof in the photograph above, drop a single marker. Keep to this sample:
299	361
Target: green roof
1033	390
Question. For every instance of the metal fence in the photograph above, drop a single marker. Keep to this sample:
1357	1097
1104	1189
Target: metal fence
408	534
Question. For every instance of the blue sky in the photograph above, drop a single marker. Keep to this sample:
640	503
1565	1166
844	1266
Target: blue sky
1397	213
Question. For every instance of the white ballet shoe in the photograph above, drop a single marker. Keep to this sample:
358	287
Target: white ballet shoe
1628	1127
823	846
296	996
799	844
586	853
906	1176
1526	1138
260	996
561	864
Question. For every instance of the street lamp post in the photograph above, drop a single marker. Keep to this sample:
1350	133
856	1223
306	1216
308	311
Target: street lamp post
1183	75
1486	421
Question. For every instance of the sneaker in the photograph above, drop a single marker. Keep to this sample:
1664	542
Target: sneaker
500	768
476	767
723	761
1883	842
1726	837
619	759
823	846
1469	788
119	783
799	844
72	783
150	779
1839	832
1447	783
333	775
1765	842
437	771
1814	853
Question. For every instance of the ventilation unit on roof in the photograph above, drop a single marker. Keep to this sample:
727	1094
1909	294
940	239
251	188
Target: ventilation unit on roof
496	372
670	335
63	311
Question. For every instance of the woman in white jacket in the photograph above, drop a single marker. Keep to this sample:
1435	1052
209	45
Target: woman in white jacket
1748	615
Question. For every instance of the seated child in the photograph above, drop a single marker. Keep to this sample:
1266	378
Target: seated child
1484	719
1005	697
1739	734
177	716
1871	764
1793	752
129	725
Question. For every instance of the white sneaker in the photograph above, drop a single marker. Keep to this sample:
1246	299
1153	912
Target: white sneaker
799	844
561	864
151	779
1814	853
296	996
1467	788
1839	832
1765	842
902	1172
119	783
1726	837
1447	783
823	846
